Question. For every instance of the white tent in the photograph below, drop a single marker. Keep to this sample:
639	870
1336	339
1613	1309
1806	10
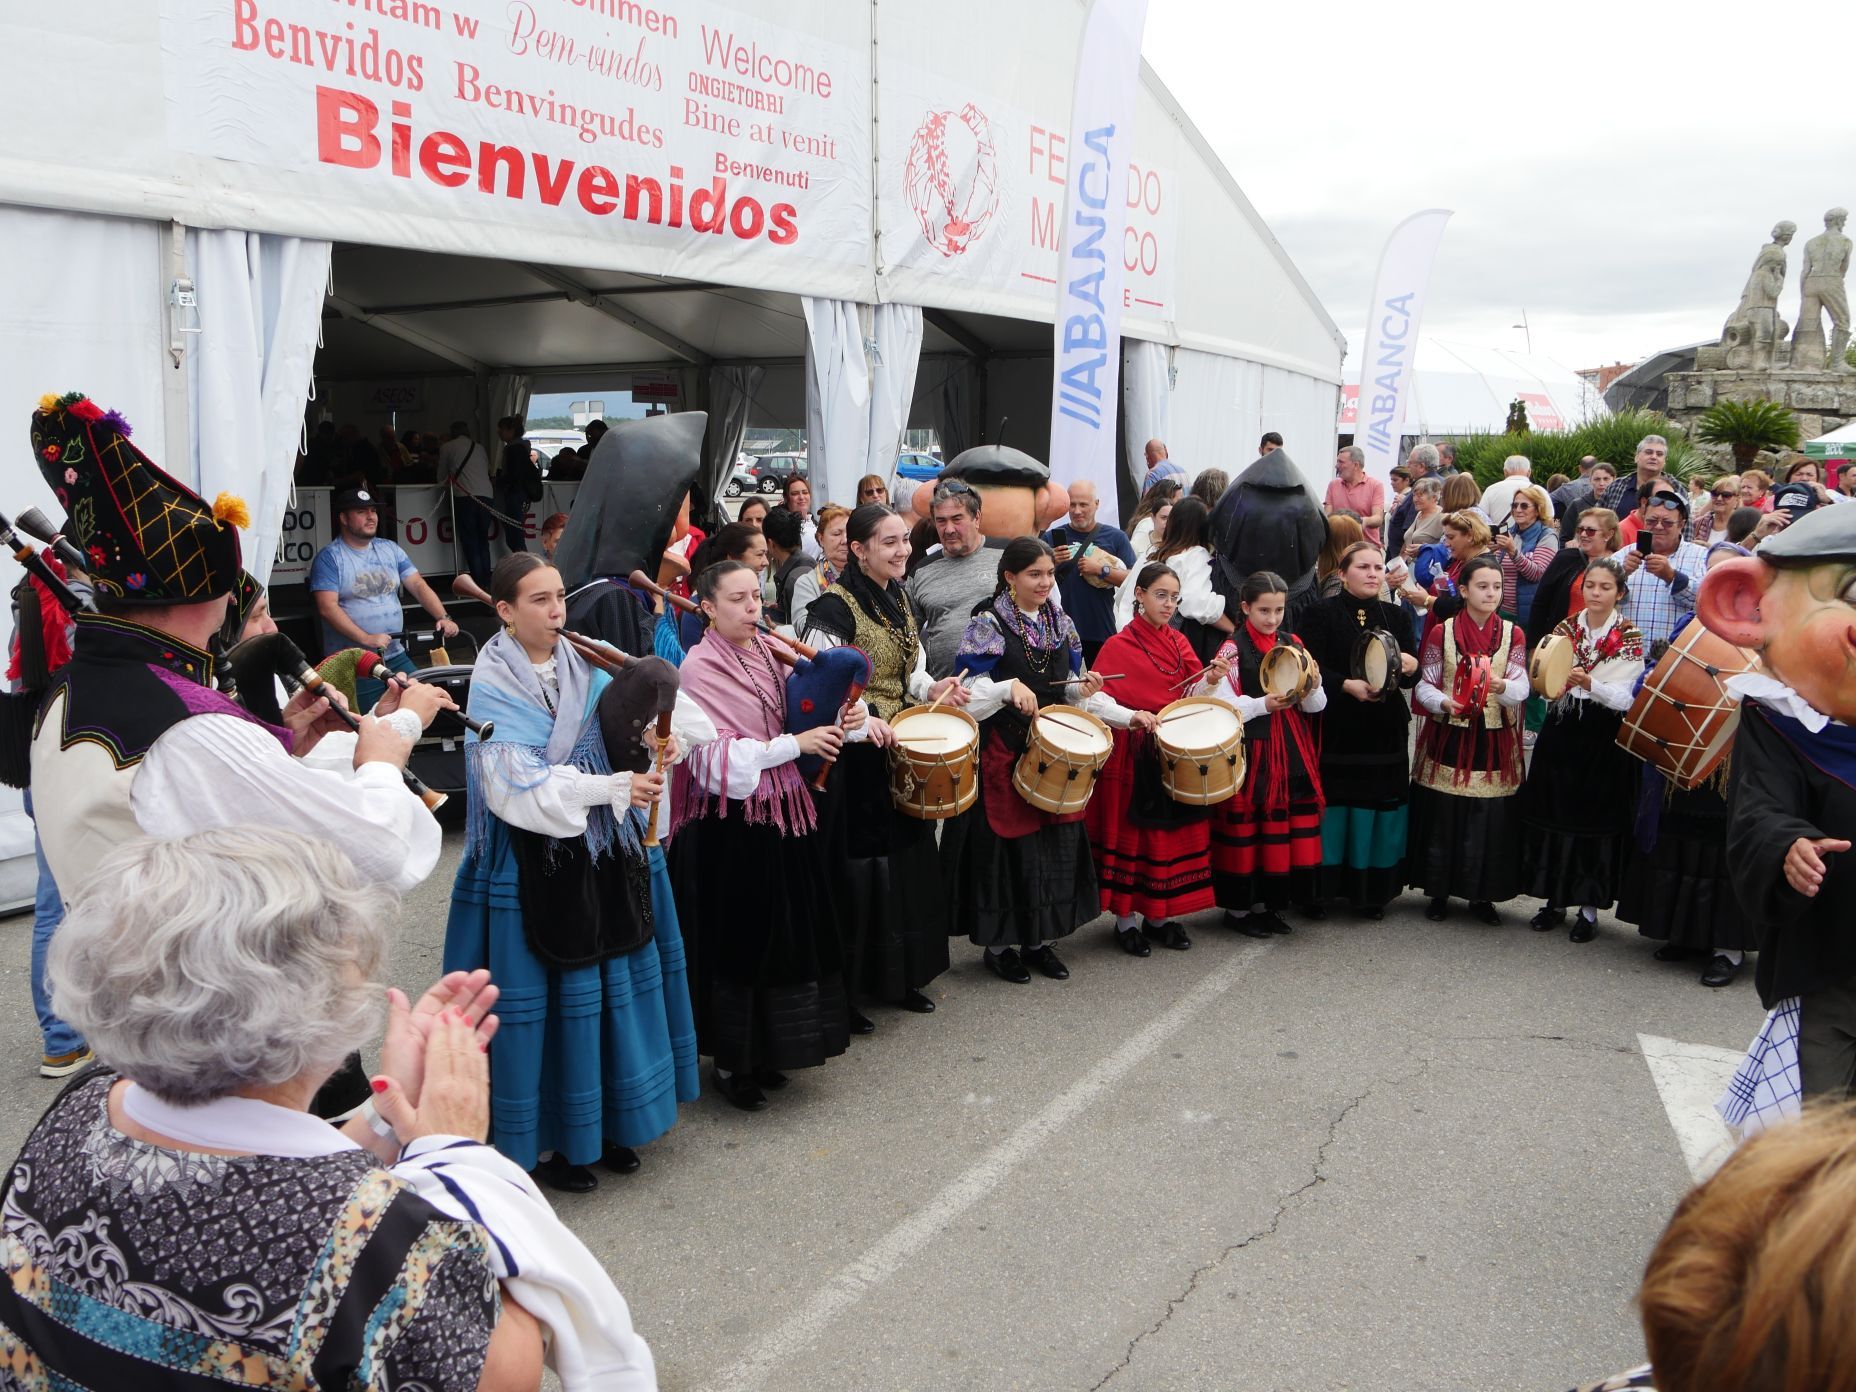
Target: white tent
1461	388
1837	444
842	210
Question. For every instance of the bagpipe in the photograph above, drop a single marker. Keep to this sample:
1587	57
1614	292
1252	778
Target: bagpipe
818	686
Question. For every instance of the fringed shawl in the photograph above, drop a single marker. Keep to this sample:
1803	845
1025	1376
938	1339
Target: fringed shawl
723	680
527	740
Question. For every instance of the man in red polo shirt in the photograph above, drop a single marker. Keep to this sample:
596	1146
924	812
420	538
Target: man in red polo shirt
1353	491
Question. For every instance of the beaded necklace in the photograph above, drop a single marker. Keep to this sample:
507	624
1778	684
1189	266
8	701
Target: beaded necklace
774	708
1037	656
1166	661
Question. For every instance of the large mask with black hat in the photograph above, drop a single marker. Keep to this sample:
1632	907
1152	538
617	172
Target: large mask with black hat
636	479
149	538
1793	601
1017	496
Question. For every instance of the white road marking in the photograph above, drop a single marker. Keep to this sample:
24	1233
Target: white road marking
802	1328
1689	1077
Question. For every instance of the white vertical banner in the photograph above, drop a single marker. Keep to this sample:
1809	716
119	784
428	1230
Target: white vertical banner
1086	356
1388	363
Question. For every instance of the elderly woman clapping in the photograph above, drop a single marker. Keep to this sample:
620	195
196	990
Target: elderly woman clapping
178	1215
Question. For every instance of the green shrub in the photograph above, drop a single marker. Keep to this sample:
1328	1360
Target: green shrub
1749	426
1612	439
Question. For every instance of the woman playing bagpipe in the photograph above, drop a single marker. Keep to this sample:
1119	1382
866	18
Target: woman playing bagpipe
748	859
557	896
1266	841
1018	877
890	903
1465	835
1152	854
1365	765
1576	804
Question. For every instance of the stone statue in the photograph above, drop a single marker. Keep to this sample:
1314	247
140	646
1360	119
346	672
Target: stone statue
1754	330
1820	284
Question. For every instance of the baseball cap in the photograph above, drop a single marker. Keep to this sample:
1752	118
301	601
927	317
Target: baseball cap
350	498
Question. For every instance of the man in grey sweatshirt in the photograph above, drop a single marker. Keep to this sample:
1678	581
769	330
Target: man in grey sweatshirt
952	580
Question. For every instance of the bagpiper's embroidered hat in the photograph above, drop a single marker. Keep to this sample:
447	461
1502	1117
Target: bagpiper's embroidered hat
149	538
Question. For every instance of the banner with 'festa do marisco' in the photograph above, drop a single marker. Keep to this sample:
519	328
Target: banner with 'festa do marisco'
690	139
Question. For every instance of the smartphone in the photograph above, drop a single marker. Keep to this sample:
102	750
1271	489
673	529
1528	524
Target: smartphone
1644	542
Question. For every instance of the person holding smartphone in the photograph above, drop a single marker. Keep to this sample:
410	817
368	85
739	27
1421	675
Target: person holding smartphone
1665	568
1092	559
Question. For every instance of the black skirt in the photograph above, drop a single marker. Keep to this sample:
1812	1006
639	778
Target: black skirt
1576	808
1467	847
886	883
1021	891
1676	885
765	960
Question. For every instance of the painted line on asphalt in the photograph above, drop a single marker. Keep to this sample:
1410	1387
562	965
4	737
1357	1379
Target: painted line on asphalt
803	1328
1688	1078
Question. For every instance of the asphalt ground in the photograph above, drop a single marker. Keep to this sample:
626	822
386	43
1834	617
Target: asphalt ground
1360	1156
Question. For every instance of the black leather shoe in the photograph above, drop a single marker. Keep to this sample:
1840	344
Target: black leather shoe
556	1173
1132	943
1437	910
621	1159
769	1079
1484	912
1311	911
862	1023
1547	920
1375	914
1720	972
1674	952
741	1091
1048	962
1006	966
1168	934
917	1002
1271	921
1250	925
1583	929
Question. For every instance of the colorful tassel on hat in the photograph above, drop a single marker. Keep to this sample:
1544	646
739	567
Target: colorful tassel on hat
229	507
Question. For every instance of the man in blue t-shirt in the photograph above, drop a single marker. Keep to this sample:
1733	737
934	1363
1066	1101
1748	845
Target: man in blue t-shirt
356	582
1092	559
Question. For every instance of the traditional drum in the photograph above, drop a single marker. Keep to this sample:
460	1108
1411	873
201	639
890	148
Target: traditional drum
1376	661
1550	668
1683	719
1201	743
1287	670
933	763
1066	750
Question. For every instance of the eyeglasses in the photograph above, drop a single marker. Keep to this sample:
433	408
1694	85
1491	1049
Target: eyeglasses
1664	500
1718	493
1162	597
1663	524
955	486
1585	531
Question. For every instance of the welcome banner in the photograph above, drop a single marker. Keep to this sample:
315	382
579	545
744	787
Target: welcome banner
1388	364
1090	270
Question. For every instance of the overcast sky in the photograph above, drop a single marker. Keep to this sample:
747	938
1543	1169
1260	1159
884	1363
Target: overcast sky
1613	167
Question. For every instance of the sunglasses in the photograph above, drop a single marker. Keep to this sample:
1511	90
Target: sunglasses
1585	531
1718	493
1665	500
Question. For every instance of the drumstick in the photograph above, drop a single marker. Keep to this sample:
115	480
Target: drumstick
1078	681
959	677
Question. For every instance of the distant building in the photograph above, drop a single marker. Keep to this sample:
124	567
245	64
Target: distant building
1600	378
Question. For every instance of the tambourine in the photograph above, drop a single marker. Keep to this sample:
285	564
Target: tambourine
1377	661
1470	690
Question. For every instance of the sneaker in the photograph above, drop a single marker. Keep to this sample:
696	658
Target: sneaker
64	1065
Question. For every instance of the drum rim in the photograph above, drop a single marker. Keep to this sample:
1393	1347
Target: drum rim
1183	750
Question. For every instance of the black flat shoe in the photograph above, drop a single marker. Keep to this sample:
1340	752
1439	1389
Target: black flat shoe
1484	912
1674	952
1271	922
1721	971
862	1023
769	1079
1583	929
1168	934
1006	966
741	1091
1437	910
917	1002
1047	962
1547	920
621	1159
1131	942
1313	912
1250	925
556	1173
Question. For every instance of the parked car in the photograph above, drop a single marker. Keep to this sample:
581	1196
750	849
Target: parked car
771	471
740	481
918	467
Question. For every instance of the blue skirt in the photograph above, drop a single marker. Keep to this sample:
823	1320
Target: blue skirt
584	1056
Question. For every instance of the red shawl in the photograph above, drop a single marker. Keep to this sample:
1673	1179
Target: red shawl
1158	665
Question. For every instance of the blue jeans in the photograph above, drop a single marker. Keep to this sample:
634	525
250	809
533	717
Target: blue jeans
47	913
367	691
474	525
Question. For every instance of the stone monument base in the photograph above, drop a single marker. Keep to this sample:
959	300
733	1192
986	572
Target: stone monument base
1823	401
